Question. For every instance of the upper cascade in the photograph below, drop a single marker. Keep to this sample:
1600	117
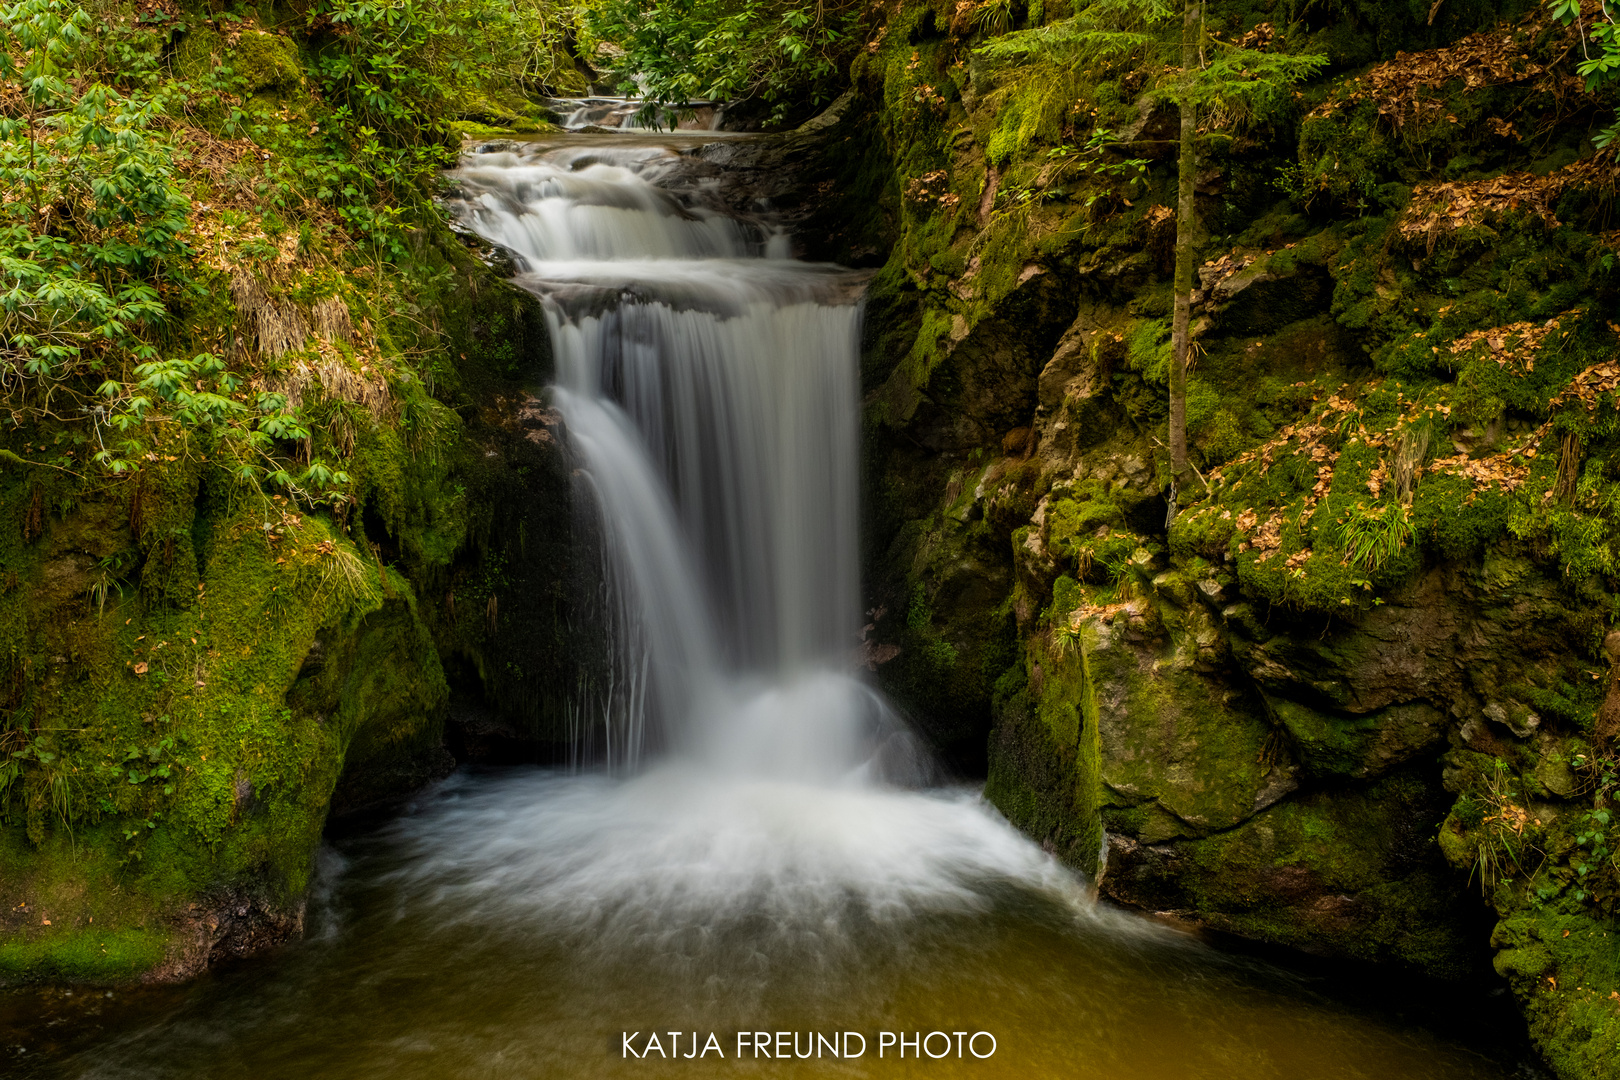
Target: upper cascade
625	114
593	203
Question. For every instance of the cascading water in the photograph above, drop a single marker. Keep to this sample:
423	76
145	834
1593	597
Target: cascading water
708	388
626	114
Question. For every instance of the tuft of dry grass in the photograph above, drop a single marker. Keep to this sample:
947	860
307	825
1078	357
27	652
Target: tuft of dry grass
346	576
337	382
332	320
279	326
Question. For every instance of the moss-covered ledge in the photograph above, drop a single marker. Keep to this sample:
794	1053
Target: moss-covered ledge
191	670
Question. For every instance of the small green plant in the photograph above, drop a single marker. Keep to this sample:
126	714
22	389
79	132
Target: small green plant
1596	851
1502	837
1600	51
1595	854
993	17
1371	538
141	764
137	832
106	579
1092	159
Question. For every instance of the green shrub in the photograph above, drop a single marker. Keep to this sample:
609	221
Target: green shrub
784	53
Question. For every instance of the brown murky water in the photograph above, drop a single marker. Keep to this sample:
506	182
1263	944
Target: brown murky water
517	925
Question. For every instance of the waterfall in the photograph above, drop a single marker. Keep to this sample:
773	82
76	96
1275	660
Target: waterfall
708	386
524	922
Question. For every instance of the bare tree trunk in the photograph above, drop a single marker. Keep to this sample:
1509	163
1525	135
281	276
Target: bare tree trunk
1186	226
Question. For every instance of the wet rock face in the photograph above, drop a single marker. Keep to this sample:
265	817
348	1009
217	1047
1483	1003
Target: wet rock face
1276	778
226	927
1446	637
1229	804
988	386
1352	874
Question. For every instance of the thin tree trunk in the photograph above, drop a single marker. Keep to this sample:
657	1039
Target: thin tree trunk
1186	226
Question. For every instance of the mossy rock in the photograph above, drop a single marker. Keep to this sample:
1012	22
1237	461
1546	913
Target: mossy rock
1349	873
1564	967
261	61
1182	740
1043	756
1362	746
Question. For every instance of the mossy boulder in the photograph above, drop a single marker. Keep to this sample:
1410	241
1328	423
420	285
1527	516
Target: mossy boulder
259	61
1351	874
173	751
1564	966
1183	753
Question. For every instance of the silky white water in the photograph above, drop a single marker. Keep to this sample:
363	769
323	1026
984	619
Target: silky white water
708	387
625	114
708	390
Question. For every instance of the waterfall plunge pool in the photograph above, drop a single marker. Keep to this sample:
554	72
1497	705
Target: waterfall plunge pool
518	923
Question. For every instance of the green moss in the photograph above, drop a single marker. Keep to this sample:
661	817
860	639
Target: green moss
1338	372
1044	755
958	634
1359	745
78	910
1457	519
1395	904
1030	106
928	349
84	955
261	66
1564	966
261	61
1066	596
1081	528
1206	760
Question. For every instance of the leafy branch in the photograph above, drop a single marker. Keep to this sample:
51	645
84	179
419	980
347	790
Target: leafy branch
1600	52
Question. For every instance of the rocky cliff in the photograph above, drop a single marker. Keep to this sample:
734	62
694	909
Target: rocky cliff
1357	699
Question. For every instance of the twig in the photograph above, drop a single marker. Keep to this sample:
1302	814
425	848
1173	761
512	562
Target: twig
7	455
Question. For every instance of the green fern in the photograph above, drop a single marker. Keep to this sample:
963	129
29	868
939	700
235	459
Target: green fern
993	17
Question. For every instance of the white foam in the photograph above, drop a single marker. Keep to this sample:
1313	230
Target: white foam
683	848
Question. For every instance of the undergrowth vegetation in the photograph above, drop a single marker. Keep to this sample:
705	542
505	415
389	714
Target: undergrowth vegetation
781	56
225	443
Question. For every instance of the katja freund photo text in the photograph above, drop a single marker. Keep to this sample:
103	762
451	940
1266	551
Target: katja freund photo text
777	1045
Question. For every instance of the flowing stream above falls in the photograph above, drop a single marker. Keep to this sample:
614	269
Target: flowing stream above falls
761	849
